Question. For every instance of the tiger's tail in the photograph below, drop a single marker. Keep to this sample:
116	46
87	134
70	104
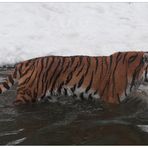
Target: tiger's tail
9	81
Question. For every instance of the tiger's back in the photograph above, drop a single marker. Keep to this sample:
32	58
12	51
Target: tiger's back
109	78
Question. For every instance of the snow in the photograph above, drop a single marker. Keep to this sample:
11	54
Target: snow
29	30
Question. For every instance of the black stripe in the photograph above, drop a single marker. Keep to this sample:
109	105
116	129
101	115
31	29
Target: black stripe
118	98
74	69
58	74
72	61
90	97
20	88
101	72
73	88
80	63
118	58
27	63
105	59
80	60
53	74
88	65
69	77
126	84
60	87
35	94
124	57
46	74
95	92
51	63
20	68
26	81
108	81
6	85
56	79
111	59
90	83
28	92
53	82
71	74
35	77
15	73
28	78
81	81
26	70
74	95
126	75
66	67
80	70
11	79
96	58
46	88
146	79
39	75
106	86
82	96
132	58
33	67
19	71
46	67
135	74
22	93
65	91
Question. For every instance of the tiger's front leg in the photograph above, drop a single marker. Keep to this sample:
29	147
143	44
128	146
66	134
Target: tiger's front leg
19	99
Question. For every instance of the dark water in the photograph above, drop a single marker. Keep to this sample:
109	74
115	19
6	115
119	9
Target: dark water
78	123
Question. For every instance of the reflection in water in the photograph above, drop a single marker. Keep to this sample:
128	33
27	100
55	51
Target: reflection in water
74	123
18	141
10	132
143	127
54	123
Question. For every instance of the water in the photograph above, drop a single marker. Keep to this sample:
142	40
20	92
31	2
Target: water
78	123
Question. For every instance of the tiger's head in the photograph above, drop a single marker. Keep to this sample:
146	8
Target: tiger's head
132	71
137	67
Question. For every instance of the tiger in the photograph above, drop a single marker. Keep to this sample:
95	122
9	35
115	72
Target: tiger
107	78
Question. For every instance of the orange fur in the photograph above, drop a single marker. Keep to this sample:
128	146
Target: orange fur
110	78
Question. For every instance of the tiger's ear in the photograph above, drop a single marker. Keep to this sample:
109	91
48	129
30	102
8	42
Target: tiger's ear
145	58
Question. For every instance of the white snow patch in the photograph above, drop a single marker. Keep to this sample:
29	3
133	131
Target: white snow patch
29	30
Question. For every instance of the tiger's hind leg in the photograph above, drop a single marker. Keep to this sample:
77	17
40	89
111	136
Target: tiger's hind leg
24	96
19	100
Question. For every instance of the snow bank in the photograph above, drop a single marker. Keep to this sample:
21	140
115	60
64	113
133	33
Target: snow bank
29	30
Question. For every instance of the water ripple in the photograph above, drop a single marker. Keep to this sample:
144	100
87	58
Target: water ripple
143	128
15	132
18	141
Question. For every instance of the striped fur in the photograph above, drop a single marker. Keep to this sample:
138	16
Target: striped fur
108	78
